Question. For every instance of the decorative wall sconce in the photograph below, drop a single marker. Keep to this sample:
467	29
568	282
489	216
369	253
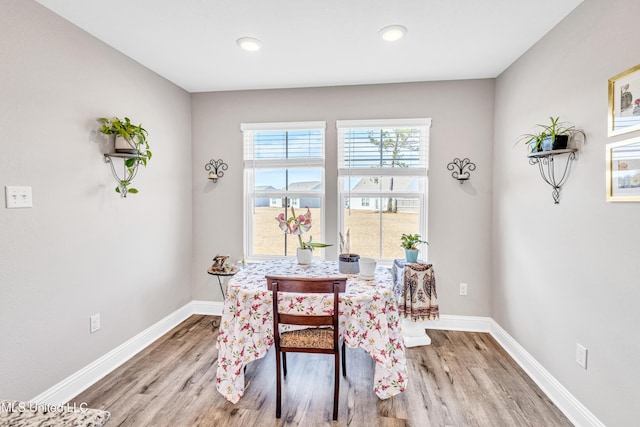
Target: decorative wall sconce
216	169
458	167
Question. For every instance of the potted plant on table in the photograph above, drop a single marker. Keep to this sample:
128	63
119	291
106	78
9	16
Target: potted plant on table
410	244
297	225
347	262
129	139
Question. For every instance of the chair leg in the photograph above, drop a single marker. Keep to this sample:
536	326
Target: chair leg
284	364
344	361
278	385
336	389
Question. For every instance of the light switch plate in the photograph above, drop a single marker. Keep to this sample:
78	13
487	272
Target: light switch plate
94	323
18	197
581	355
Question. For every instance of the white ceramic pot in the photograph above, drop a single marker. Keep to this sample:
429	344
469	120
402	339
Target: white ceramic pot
305	256
123	146
367	267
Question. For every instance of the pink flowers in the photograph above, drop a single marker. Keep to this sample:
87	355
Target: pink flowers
297	225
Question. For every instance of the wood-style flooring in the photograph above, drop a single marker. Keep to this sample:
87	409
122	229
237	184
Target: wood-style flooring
461	379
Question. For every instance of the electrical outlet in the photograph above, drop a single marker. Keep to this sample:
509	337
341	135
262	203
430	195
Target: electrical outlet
463	289
18	197
95	323
581	356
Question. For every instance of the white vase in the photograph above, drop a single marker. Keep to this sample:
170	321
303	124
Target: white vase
305	256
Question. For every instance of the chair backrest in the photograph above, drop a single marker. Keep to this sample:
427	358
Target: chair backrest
305	285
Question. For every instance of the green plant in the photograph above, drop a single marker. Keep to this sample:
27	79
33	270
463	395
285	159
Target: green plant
555	127
411	241
136	138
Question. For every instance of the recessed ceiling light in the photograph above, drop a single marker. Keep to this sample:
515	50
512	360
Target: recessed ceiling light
392	33
249	44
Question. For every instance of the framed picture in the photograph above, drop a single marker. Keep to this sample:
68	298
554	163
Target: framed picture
623	171
624	102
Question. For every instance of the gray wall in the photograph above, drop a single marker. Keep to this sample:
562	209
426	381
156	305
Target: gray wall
569	273
459	215
551	275
82	250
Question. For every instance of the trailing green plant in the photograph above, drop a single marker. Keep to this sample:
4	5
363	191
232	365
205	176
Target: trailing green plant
411	241
136	138
555	127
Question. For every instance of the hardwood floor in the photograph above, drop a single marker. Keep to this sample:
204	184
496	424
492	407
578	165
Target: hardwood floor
461	379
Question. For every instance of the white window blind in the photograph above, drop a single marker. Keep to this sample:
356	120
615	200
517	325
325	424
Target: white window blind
283	144
383	147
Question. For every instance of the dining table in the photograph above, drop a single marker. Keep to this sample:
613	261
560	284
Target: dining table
368	319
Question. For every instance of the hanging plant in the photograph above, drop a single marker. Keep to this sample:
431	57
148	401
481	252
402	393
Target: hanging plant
129	139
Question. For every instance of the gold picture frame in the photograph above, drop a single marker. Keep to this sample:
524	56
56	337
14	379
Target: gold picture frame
624	102
623	171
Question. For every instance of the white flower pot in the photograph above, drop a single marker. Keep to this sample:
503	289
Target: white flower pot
123	146
305	256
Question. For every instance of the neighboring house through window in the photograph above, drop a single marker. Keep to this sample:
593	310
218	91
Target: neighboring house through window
284	168
382	168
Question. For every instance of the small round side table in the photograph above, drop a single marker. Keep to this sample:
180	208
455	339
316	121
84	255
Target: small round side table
219	274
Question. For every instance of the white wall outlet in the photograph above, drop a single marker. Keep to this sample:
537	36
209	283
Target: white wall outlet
18	197
463	288
581	356
95	323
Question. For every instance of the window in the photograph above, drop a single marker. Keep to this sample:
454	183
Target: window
284	168
382	168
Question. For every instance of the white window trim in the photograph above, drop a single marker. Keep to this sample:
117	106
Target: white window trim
249	197
343	172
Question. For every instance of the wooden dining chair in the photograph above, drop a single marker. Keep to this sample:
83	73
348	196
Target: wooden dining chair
322	334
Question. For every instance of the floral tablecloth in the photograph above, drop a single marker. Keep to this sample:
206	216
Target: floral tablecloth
368	319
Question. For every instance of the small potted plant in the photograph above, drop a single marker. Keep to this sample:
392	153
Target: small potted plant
129	139
553	136
297	225
410	244
347	262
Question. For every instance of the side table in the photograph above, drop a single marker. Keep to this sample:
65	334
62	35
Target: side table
219	274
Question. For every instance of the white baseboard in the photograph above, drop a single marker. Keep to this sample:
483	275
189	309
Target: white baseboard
76	383
90	374
211	308
577	413
461	323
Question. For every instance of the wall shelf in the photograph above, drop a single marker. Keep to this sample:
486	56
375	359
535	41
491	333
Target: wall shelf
129	172
546	164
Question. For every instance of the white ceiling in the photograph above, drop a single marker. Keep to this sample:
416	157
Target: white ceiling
316	42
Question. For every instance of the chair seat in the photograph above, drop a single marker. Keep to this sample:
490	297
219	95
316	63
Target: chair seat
308	338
